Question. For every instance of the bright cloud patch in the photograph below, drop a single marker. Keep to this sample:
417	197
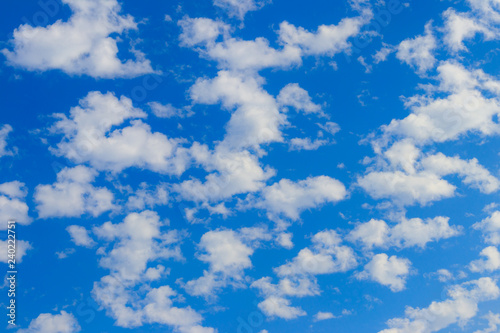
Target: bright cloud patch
81	45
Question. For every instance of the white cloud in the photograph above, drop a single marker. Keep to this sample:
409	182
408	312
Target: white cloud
460	27
144	197
421	179
80	236
280	307
491	263
90	135
323	316
406	189
238	8
328	39
81	45
306	144
418	52
493	323
285	239
49	323
12	205
459	106
388	271
168	110
293	95
289	199
73	195
4	132
21	248
228	253
407	233
460	307
490	227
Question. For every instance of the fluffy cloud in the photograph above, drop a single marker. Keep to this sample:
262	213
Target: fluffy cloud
323	316
293	95
493	323
81	45
12	205
239	8
4	132
490	227
73	195
228	253
461	105
144	197
407	177
418	52
491	263
49	323
90	135
407	233
289	199
138	241
21	248
388	271
80	236
461	306
280	307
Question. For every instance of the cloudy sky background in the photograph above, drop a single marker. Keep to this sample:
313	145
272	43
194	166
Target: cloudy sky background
248	166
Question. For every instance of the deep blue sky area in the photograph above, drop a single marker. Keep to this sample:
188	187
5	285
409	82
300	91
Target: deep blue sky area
251	166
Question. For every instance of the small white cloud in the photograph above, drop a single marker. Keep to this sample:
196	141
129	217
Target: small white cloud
49	323
12	204
490	227
490	264
238	8
323	316
293	95
388	271
4	132
73	195
280	307
22	247
80	236
418	52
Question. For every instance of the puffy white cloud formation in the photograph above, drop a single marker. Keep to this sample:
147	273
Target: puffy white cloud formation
460	307
53	323
493	323
91	136
12	204
388	271
461	105
293	95
490	227
491	263
297	278
228	253
73	195
418	52
80	45
80	236
407	233
408	177
139	241
287	198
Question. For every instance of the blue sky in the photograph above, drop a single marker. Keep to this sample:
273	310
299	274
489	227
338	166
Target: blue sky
252	166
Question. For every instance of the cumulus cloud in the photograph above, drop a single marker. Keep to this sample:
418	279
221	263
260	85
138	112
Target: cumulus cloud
287	198
73	195
388	271
148	196
418	52
80	236
407	233
490	263
407	177
490	227
12	203
493	323
293	95
53	323
228	253
80	45
460	307
323	316
91	136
